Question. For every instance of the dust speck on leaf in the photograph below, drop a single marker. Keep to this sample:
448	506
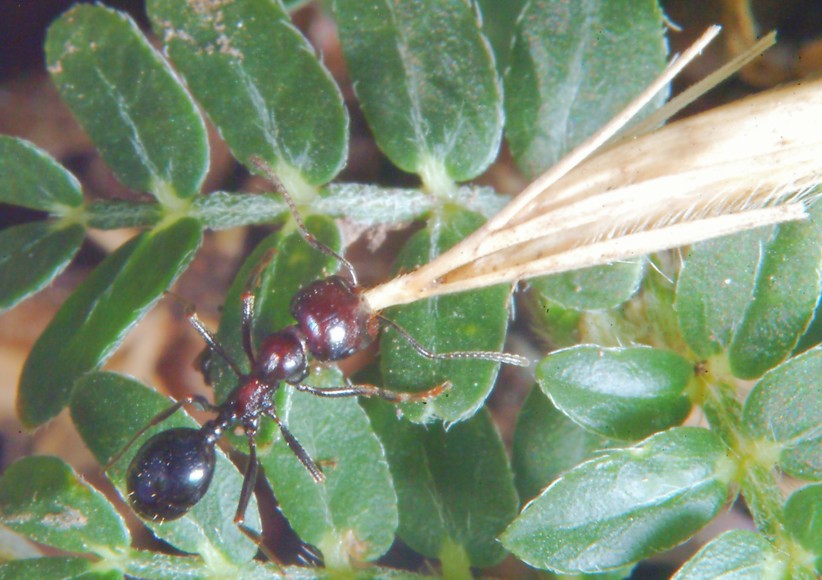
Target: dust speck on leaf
206	6
67	519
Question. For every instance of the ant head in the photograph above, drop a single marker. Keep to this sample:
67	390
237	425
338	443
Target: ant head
334	319
170	473
282	357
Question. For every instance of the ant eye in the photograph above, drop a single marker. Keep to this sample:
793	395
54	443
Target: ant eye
170	473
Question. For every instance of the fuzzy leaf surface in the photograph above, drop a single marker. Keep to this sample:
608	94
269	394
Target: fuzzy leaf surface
784	408
31	256
471	321
261	84
455	487
108	409
738	554
499	20
43	499
31	178
572	67
424	74
803	519
621	393
129	101
597	288
54	567
94	320
785	294
715	285
622	507
547	443
353	514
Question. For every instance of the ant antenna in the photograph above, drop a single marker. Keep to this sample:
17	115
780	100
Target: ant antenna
500	357
261	165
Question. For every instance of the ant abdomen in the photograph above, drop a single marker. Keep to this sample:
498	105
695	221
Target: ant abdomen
334	318
170	473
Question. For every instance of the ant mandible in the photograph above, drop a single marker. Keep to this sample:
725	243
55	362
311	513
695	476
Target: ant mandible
173	469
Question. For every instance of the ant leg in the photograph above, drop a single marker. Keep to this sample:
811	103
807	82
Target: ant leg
207	336
263	167
249	480
366	390
299	451
197	400
500	357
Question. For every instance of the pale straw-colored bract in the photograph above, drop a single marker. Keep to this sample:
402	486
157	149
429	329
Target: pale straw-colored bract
751	163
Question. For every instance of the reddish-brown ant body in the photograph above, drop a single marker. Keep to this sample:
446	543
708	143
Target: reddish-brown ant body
173	469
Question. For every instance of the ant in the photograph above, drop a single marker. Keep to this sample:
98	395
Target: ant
172	471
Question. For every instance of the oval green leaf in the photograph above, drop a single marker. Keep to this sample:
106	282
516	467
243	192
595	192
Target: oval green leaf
803	520
129	101
31	256
624	506
107	410
472	321
499	21
597	288
738	554
43	499
714	287
784	408
352	516
277	268
621	393
786	292
31	178
93	321
546	444
425	77
261	84
143	564
54	567
455	488
573	66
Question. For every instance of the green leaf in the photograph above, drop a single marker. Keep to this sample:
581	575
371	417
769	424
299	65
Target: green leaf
455	488
597	288
738	554
291	264
621	393
547	443
93	321
43	499
107	410
463	322
714	287
62	567
783	408
499	20
787	289
803	520
31	256
167	567
129	101
353	515
261	84
31	178
573	66
624	506
813	334
425	78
